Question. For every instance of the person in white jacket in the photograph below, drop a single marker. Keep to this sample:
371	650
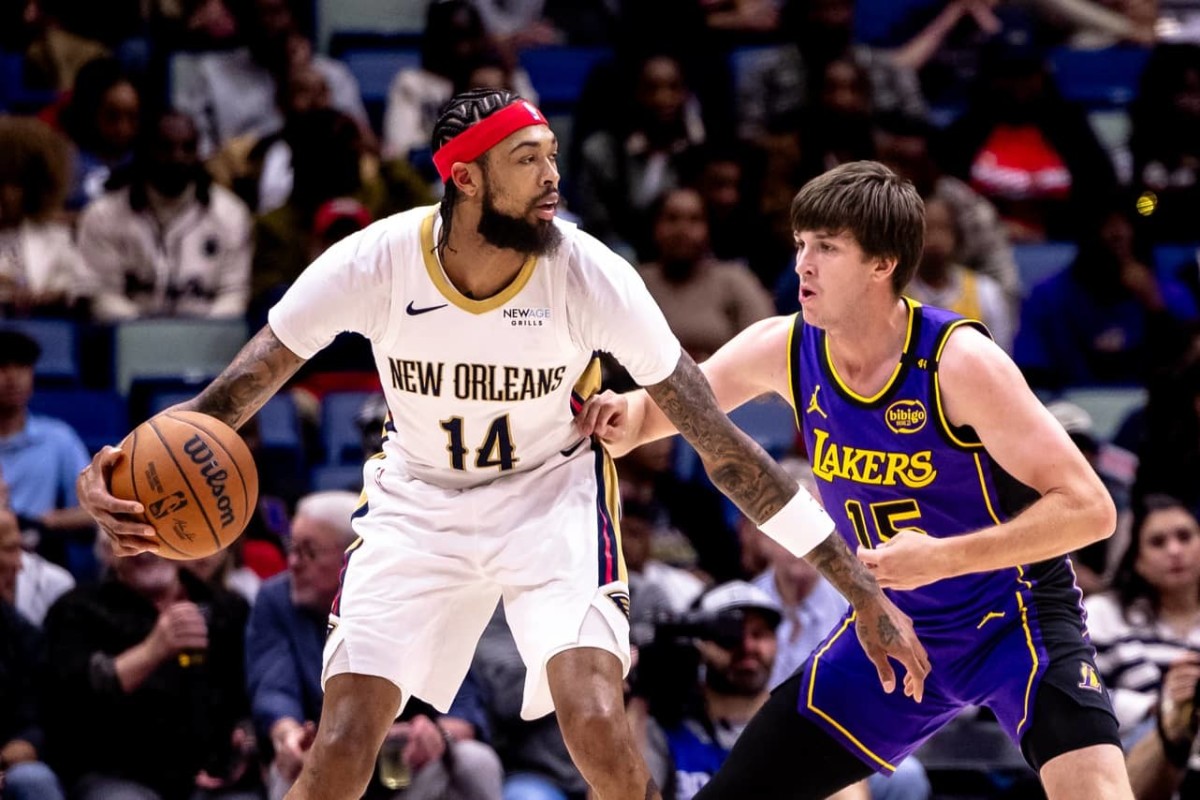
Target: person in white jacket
41	271
164	240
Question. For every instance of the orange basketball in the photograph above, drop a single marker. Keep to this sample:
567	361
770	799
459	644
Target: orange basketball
194	476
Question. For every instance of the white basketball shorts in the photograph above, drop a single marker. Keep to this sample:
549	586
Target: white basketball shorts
423	579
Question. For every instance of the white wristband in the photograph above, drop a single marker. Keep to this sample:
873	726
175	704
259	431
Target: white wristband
800	525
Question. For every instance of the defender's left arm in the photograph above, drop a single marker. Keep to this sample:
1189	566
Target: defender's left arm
982	388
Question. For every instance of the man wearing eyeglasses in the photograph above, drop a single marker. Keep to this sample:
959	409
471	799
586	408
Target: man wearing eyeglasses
284	642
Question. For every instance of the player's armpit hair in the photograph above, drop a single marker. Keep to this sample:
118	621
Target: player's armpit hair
256	373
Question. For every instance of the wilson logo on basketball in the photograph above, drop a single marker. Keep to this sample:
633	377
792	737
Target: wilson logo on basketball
165	506
214	476
905	416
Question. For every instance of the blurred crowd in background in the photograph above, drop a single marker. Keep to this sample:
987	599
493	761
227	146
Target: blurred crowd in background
168	167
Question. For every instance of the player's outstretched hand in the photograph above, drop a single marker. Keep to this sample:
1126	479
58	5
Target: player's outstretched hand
909	560
606	416
885	631
116	517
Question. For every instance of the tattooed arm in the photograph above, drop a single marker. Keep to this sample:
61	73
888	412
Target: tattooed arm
760	488
254	376
257	372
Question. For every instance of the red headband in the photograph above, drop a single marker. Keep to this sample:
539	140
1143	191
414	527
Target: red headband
485	134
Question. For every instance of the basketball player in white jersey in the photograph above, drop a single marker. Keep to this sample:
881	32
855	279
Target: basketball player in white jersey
484	317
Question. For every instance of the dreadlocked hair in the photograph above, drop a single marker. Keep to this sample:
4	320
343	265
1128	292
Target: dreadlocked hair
463	111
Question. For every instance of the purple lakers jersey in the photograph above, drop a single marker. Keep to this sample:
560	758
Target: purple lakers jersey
893	461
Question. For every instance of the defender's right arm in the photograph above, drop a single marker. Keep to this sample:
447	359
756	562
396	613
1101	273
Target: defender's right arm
255	374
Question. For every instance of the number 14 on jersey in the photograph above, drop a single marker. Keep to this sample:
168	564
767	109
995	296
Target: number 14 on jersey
496	450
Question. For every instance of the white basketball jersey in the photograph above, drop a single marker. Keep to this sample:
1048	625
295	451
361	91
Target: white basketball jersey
477	388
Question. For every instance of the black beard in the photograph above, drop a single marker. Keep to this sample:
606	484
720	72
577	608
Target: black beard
514	233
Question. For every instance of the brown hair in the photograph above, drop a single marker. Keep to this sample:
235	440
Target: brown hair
882	211
35	158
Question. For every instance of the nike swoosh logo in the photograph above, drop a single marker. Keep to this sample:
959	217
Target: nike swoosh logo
570	450
412	312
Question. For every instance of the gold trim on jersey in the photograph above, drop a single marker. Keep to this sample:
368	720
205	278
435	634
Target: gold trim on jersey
793	357
943	421
589	380
812	682
612	501
912	315
1033	670
438	277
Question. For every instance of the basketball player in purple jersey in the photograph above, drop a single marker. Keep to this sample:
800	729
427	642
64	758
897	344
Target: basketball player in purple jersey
959	490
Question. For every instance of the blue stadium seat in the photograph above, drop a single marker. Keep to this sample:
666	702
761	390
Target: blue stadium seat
337	477
1108	406
1171	260
1104	78
559	73
770	422
339	432
59	340
374	69
15	96
99	417
188	349
1037	262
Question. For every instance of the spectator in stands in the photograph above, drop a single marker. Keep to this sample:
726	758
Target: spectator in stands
708	545
259	168
1025	148
1149	624
39	582
1160	764
942	281
1095	564
902	143
729	177
40	457
233	93
1169	456
41	271
645	539
325	153
226	570
283	657
706	302
536	762
837	127
194	25
22	775
1165	142
529	23
157	657
102	118
637	156
1106	319
686	745
454	38
53	55
165	241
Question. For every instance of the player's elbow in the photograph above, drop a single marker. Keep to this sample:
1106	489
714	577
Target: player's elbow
1101	515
